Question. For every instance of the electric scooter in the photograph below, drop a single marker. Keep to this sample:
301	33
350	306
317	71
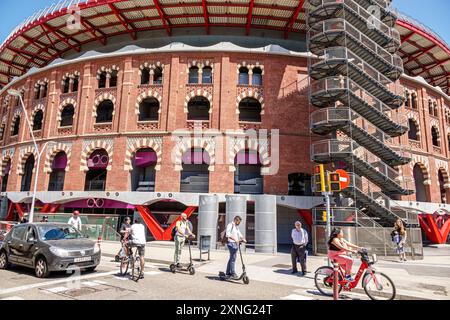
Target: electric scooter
242	277
189	268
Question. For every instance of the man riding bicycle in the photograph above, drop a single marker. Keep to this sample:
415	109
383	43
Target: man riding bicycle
138	239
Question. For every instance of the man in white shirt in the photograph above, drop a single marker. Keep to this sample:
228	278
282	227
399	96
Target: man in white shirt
234	237
183	228
300	241
75	220
138	239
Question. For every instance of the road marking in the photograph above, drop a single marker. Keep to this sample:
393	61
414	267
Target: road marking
99	282
13	298
121	278
55	282
57	289
152	273
91	283
297	297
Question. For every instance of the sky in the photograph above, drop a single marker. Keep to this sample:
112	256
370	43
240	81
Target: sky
432	13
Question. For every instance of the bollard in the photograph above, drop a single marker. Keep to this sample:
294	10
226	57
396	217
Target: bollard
99	241
335	281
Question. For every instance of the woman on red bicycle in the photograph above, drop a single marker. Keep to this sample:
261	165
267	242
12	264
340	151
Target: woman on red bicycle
338	249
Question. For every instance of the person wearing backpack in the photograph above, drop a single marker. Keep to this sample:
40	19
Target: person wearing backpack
180	231
234	238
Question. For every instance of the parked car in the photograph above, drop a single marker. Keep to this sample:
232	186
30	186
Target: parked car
48	247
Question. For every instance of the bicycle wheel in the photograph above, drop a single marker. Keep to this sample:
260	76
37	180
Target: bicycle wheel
124	265
136	273
323	279
378	286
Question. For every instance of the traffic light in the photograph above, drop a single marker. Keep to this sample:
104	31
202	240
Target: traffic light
324	216
334	183
319	178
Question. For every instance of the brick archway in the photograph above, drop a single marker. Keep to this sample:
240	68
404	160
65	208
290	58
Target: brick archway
195	143
148	94
198	93
39	107
414	118
142	144
51	154
250	94
23	157
64	104
251	145
90	149
4	162
17	114
100	99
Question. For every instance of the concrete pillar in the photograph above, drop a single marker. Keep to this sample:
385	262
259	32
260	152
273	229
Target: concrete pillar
237	206
208	214
266	224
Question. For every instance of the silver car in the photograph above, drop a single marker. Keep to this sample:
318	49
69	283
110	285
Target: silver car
48	247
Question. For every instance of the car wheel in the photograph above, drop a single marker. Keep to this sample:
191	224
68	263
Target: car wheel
41	268
4	264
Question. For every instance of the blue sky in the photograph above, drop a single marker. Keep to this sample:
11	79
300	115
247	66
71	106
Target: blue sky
433	13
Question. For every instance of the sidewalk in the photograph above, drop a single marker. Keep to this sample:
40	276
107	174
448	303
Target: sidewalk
423	279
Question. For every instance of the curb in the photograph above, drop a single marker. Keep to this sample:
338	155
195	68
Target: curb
164	262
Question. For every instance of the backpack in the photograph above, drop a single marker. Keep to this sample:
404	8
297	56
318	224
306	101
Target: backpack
174	232
223	236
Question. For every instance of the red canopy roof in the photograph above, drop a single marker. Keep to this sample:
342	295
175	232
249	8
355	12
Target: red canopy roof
47	35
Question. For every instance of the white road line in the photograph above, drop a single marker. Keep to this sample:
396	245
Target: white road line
121	278
13	298
55	282
99	282
57	289
90	283
296	297
152	273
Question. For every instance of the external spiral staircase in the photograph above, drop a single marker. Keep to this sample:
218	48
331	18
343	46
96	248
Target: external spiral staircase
354	83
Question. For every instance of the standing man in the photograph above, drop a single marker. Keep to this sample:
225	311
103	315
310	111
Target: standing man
300	241
234	237
182	228
75	220
139	240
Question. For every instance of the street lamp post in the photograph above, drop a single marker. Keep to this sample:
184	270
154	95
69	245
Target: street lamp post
18	94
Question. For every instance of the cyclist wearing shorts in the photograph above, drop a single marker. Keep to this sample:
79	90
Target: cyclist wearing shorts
338	249
138	239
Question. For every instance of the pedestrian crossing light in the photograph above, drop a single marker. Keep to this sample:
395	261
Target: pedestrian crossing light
334	183
324	216
319	178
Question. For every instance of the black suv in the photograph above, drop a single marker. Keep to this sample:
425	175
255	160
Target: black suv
48	247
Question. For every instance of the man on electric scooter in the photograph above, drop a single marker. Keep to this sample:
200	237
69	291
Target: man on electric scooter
234	237
182	229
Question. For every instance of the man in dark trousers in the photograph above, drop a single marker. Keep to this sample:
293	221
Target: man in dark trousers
300	241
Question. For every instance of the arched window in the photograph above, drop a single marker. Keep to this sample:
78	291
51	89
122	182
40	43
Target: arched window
207	75
435	109
414	100
67	115
2	131
430	107
102	80
257	77
26	179
193	75
113	79
250	110
16	126
158	76
105	112
58	174
44	90
413	130
435	136
195	173
243	76
448	141
441	186
247	178
145	76
421	194
300	184
143	174
75	85
6	176
96	176
66	85
148	110
407	102
37	120
198	109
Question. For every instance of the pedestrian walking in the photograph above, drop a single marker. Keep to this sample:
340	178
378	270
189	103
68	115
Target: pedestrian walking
234	238
75	220
44	219
298	251
24	219
182	229
399	237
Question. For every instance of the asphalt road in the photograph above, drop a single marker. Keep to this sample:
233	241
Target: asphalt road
159	283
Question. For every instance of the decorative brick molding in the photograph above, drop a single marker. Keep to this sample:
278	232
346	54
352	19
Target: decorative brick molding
184	144
200	65
17	114
424	166
69	76
442	166
198	93
89	146
250	93
148	94
6	156
65	147
134	144
68	101
24	153
238	144
107	70
250	66
103	97
415	118
151	67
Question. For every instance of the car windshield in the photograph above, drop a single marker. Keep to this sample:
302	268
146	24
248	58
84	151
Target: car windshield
59	233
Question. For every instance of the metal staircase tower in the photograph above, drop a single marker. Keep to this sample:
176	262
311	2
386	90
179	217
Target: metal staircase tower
354	70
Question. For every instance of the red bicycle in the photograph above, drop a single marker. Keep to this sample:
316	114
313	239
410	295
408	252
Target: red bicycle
377	285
